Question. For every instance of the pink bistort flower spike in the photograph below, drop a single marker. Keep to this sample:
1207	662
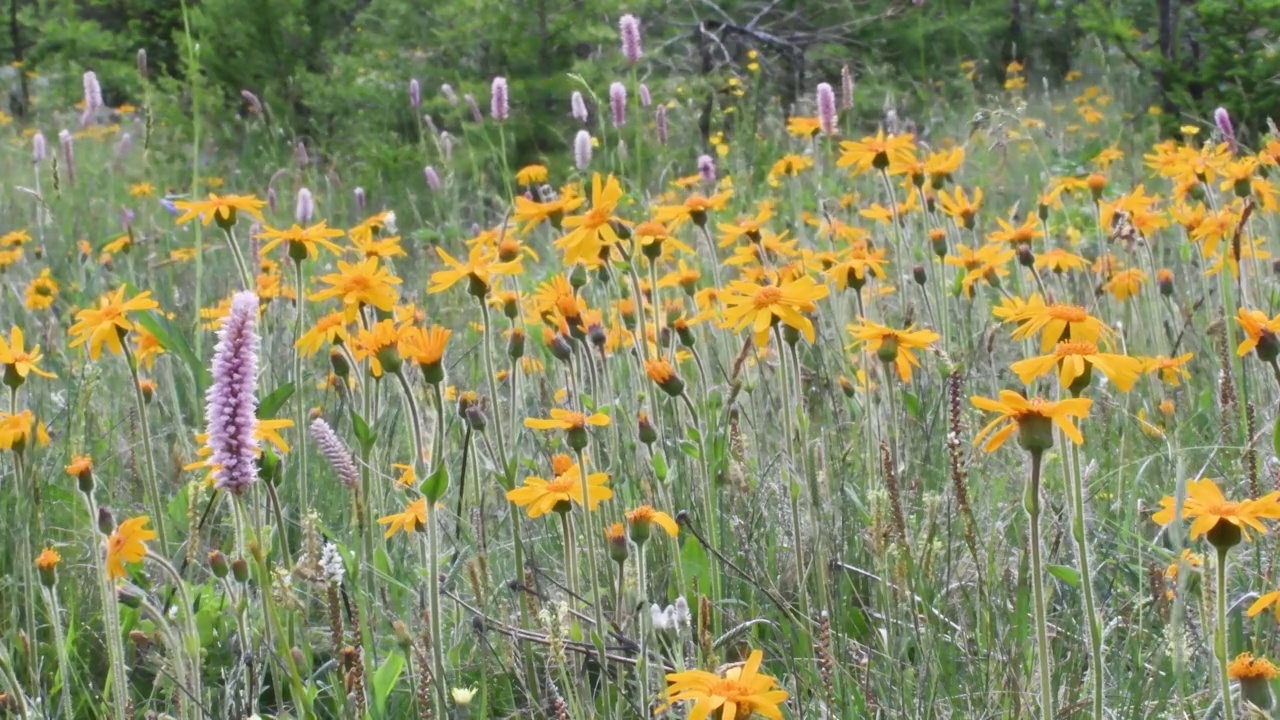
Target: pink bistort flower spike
231	404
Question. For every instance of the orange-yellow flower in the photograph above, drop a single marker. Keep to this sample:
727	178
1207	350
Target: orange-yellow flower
223	208
126	544
539	496
106	324
1209	507
1032	417
742	692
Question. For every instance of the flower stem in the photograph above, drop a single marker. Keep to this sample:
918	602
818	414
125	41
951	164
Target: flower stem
591	529
110	617
570	556
1086	582
1031	503
493	389
144	428
300	408
60	647
1220	636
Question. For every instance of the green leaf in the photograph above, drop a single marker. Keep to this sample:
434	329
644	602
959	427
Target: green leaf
274	400
693	434
690	449
693	559
384	681
433	487
912	404
364	434
174	342
660	466
1067	575
1275	436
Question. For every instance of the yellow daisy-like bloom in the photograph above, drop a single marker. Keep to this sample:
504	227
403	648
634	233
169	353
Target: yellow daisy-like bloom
1172	370
531	174
1271	599
19	362
654	234
302	242
379	345
384	247
532	213
105	325
1208	506
1125	284
749	228
756	306
425	347
413	517
743	691
893	345
566	420
80	464
695	208
1032	416
142	189
539	496
126	544
804	127
328	329
146	348
41	292
16	239
592	230
1059	261
959	206
361	283
1075	360
48	559
852	270
1260	333
15	429
1247	667
877	153
645	515
223	208
1054	322
1021	235
478	270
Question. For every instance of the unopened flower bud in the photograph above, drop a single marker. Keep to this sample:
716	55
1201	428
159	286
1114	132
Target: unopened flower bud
616	535
917	274
515	344
218	564
1164	280
106	520
240	570
338	361
648	433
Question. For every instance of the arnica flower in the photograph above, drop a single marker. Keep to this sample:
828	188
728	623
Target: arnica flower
1054	322
481	265
803	127
1223	521
1075	360
573	423
661	373
223	208
107	324
539	496
1268	600
1260	334
615	536
462	696
742	692
960	207
360	283
1021	235
1034	420
654	238
1255	676
1125	284
41	291
531	174
413	517
644	517
18	361
872	153
760	306
618	103
231	404
125	544
329	329
47	563
892	345
380	345
15	430
1172	370
827	109
426	347
594	229
694	208
302	242
629	34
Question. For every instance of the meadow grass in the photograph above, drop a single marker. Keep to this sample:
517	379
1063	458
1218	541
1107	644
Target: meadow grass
667	425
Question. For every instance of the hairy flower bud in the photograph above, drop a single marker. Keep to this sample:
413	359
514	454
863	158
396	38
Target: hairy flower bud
827	109
582	150
618	103
499	106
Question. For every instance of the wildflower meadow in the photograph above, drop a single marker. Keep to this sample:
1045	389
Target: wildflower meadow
719	408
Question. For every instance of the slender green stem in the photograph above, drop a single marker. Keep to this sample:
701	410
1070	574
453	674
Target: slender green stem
300	407
191	641
26	557
60	648
110	616
1086	582
144	428
1220	636
592	529
11	680
1031	503
570	553
493	387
